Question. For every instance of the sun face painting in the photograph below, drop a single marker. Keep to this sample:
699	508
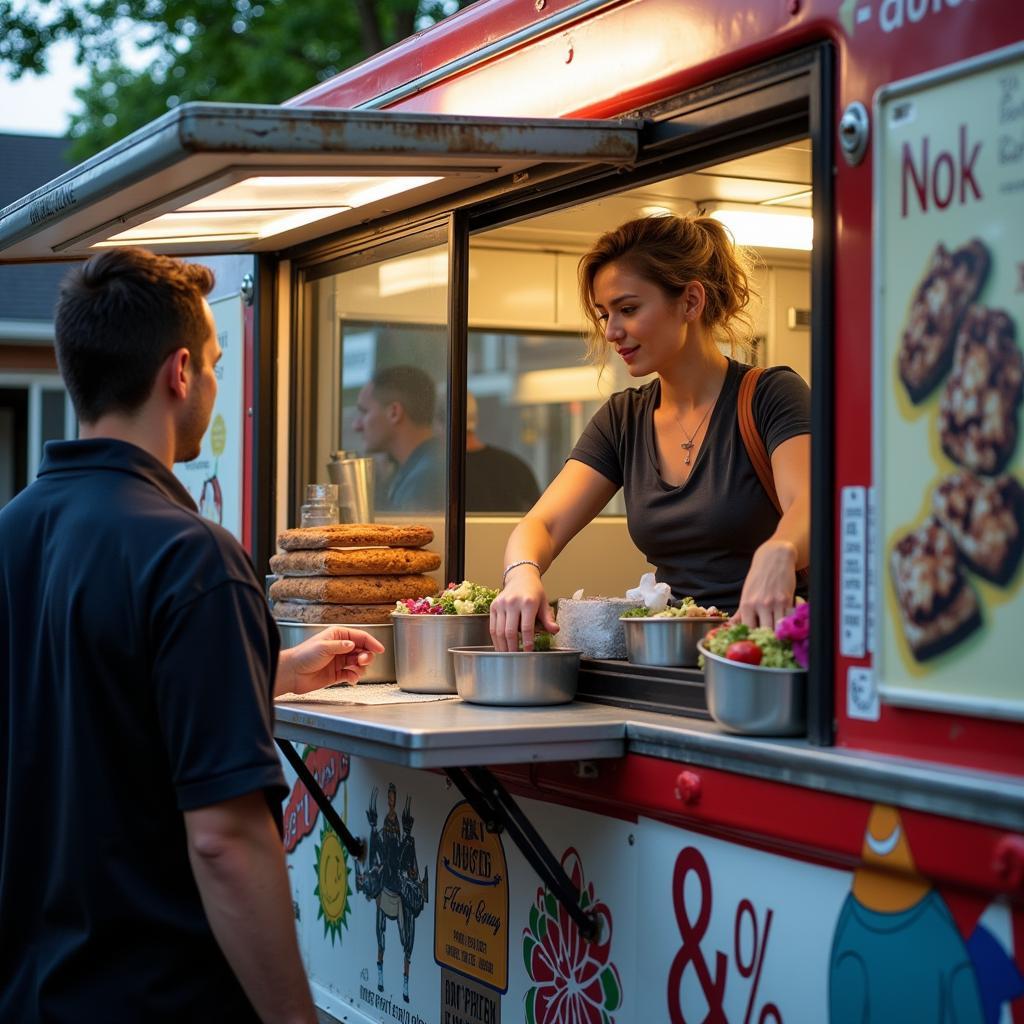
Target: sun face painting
332	883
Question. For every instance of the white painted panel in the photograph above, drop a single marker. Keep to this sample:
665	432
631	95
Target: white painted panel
511	289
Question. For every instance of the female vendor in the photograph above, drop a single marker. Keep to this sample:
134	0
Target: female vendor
663	292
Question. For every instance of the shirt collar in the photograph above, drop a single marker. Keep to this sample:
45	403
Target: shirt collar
105	453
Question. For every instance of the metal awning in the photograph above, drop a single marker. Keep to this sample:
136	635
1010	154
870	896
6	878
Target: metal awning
212	178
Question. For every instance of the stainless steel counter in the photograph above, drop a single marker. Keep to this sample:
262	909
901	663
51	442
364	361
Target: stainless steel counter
455	734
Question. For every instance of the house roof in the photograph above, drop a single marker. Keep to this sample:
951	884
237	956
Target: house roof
26	162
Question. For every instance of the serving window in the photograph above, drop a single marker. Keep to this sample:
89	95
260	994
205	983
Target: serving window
491	313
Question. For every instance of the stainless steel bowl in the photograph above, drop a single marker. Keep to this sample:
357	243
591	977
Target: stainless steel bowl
754	700
380	670
515	678
421	648
668	642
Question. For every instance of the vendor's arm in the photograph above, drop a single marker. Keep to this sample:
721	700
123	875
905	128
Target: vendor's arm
570	501
238	864
339	654
770	586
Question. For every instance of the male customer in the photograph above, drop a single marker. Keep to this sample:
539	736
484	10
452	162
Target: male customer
395	415
142	874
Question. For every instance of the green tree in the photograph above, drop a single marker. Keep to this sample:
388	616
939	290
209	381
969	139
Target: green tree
235	51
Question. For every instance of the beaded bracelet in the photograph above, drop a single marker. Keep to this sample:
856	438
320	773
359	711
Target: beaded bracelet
515	565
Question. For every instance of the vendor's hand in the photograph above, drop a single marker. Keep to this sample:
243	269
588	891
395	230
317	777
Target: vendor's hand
339	654
770	585
521	607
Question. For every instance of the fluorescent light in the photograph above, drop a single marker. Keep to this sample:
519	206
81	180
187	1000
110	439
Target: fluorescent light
769	228
262	206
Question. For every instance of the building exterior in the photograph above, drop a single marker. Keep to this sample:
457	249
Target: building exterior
33	403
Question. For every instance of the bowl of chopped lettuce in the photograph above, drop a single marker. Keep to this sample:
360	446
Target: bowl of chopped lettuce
668	638
426	627
756	678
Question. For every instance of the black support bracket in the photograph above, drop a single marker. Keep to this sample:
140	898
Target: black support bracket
354	845
499	812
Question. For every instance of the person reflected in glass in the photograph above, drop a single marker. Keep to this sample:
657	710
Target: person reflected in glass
663	294
395	415
496	479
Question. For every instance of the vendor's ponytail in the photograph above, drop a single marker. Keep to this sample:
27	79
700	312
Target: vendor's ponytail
671	252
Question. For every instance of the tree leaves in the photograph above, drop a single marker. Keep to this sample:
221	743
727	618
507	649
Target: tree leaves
233	51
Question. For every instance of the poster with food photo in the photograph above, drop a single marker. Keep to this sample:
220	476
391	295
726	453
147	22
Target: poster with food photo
948	370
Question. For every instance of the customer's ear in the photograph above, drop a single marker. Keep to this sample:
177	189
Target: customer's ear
176	372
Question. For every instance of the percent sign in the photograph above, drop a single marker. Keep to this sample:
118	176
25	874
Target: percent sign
758	948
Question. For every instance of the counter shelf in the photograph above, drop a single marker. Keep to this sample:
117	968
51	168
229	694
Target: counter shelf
460	739
621	684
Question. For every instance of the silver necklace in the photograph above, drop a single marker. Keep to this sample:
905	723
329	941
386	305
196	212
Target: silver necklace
687	445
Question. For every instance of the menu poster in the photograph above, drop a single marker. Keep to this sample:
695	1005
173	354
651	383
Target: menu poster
948	363
214	477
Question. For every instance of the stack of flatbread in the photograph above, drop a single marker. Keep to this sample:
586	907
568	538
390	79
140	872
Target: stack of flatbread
350	572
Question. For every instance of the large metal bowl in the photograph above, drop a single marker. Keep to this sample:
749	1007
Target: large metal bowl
668	642
380	670
753	700
515	678
422	660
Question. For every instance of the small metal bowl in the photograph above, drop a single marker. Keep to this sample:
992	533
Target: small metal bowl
753	700
515	678
421	648
668	642
380	670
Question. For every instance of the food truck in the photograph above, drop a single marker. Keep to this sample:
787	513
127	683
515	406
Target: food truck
624	858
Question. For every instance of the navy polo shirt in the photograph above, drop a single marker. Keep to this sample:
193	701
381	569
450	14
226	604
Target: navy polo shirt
137	657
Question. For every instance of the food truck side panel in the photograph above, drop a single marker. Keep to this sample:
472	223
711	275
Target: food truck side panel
444	921
622	56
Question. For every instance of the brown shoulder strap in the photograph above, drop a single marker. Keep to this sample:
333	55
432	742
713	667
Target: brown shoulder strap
752	440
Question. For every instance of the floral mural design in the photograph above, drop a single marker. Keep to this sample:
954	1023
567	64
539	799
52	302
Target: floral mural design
573	980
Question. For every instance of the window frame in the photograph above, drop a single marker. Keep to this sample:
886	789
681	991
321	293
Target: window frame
781	101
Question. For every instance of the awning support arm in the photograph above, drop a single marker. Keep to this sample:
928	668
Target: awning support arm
499	811
354	845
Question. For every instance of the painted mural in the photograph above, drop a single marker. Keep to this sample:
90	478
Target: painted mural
573	981
696	929
392	881
899	954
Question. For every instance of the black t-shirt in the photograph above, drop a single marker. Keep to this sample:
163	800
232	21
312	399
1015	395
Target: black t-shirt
498	481
700	537
135	684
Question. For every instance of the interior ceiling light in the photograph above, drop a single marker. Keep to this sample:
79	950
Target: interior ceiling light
770	228
262	206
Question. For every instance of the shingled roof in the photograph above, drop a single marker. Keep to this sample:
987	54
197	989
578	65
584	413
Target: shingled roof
26	162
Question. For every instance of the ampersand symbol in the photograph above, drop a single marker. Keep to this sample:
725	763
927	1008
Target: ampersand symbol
690	859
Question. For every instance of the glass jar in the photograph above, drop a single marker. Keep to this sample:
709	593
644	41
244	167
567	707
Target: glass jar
321	505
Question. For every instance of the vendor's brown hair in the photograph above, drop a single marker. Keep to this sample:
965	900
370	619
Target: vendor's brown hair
118	318
671	252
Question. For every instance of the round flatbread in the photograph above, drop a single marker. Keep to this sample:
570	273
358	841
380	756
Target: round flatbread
348	535
352	589
355	562
333	614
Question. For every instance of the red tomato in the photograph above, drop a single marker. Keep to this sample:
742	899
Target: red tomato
711	632
744	650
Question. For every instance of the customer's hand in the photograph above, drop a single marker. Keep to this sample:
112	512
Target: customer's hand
521	607
770	585
339	654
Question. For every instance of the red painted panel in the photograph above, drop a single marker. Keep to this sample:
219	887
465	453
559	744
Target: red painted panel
786	819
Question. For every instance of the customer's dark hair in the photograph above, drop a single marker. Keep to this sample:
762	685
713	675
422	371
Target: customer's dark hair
411	386
119	316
